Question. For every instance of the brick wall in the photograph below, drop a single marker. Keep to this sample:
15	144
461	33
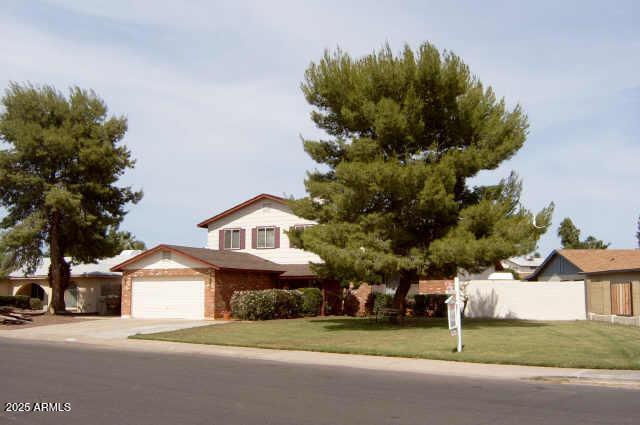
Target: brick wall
127	277
227	282
434	286
362	294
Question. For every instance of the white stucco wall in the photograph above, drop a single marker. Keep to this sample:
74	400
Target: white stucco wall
264	213
89	290
526	300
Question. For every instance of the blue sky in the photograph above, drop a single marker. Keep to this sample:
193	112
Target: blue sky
211	91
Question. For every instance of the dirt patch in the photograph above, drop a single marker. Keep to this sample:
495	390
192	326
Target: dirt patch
48	319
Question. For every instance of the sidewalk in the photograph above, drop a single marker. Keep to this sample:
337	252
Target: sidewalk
116	340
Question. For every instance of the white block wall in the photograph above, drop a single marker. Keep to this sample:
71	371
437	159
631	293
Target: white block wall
526	300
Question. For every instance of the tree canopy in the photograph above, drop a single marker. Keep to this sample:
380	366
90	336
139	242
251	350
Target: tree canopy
569	236
59	168
393	196
127	240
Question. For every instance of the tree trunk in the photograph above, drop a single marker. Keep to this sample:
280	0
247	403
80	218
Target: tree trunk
59	270
399	298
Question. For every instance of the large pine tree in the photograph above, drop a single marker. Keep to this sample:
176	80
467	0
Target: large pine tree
392	196
59	166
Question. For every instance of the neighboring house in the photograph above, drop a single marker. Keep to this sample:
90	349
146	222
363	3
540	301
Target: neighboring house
523	265
612	278
247	248
90	284
563	264
612	281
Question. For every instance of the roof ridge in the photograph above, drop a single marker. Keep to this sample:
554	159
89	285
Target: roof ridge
240	206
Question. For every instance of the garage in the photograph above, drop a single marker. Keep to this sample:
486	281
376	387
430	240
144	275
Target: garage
167	297
181	282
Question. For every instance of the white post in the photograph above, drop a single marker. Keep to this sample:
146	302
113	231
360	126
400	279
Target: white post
456	283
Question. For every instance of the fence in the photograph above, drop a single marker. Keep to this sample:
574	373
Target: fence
526	300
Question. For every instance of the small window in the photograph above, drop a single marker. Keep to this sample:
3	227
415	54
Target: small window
232	239
266	237
166	255
301	226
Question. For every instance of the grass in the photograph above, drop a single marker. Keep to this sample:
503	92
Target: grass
579	344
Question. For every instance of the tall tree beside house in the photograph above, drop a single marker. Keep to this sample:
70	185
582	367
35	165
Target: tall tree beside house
569	236
393	198
638	232
59	168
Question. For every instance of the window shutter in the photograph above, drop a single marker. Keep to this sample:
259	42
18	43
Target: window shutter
277	237
242	238
254	237
221	240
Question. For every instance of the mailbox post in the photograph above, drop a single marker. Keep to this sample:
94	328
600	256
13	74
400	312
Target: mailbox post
455	303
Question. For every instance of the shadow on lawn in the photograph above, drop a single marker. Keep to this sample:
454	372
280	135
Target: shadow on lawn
370	324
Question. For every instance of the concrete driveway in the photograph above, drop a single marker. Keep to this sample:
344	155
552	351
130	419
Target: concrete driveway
102	329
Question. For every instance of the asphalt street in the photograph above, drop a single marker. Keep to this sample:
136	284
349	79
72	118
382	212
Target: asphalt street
137	388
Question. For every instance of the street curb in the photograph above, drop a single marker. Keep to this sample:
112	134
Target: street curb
619	378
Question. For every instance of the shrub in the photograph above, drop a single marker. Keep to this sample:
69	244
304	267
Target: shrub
22	301
419	304
266	304
8	300
35	304
351	305
369	304
382	301
18	301
311	301
435	305
333	303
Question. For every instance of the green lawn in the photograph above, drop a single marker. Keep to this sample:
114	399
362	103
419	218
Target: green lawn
581	344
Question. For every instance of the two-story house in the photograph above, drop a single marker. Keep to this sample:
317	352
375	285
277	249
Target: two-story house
247	248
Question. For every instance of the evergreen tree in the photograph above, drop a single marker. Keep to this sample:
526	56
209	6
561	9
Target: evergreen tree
59	167
570	237
392	199
127	240
569	234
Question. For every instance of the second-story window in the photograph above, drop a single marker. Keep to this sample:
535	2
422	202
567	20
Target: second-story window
232	239
266	237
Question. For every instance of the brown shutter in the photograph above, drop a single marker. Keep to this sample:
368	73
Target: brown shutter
221	240
277	237
254	237
242	238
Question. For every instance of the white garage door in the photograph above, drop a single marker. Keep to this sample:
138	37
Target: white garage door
167	298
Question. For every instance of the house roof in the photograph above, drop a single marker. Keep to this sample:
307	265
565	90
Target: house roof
603	260
238	207
593	261
526	261
297	271
228	260
101	268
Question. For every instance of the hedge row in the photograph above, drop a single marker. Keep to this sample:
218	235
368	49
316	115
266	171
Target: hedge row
266	304
311	301
286	304
18	301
